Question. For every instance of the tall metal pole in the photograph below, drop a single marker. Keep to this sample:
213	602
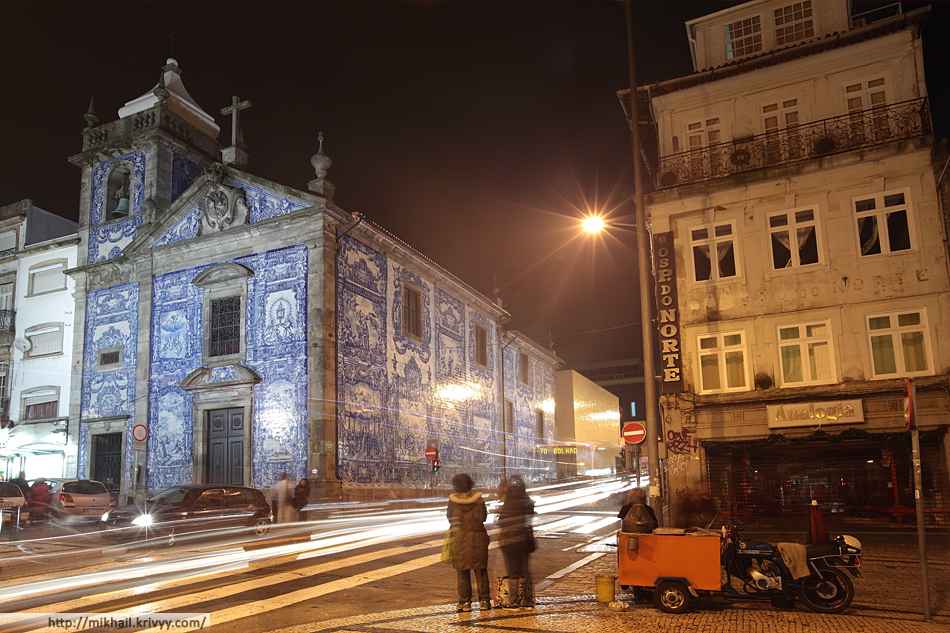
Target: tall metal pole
645	273
918	497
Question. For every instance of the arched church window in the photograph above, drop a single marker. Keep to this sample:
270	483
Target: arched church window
118	191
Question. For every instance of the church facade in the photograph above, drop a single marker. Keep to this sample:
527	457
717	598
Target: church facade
230	329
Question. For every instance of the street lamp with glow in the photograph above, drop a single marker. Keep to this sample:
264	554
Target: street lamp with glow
593	224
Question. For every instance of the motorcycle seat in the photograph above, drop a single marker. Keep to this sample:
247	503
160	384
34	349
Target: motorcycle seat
821	549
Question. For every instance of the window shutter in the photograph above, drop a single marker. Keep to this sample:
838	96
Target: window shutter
47	279
50	342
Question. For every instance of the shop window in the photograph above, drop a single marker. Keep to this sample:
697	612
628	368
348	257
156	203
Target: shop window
806	353
722	362
48	277
45	340
481	345
713	247
411	311
900	344
884	223
793	238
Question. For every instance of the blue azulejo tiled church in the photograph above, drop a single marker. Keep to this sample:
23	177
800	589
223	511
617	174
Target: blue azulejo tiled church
231	329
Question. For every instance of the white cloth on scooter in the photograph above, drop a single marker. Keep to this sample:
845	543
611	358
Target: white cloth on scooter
795	557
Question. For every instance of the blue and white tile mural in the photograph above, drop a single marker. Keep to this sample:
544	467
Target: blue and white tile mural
276	341
111	322
107	240
184	173
135	163
399	394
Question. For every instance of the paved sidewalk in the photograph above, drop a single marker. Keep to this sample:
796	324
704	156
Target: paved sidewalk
888	600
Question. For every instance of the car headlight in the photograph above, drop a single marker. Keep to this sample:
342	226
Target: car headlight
104	517
143	520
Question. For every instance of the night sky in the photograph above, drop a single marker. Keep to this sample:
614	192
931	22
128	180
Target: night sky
477	132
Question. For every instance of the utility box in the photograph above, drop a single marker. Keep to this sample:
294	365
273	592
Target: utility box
642	559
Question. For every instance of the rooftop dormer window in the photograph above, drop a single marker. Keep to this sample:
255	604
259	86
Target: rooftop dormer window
793	23
744	37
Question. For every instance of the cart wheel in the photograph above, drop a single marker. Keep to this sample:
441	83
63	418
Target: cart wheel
672	597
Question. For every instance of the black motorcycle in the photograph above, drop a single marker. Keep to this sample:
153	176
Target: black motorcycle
814	573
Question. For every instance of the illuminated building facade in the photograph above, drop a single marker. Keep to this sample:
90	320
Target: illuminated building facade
253	329
799	204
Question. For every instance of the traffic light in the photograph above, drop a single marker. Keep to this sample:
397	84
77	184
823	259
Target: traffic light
436	465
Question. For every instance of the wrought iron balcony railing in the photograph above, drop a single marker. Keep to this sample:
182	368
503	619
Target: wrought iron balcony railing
839	134
7	322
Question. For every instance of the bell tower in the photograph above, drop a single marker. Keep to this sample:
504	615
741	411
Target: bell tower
133	168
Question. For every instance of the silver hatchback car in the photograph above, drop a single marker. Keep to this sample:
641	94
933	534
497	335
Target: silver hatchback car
78	499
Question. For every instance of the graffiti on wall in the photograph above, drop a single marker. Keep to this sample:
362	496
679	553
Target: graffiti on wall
682	442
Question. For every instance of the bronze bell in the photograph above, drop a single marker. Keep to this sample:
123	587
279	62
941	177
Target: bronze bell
122	209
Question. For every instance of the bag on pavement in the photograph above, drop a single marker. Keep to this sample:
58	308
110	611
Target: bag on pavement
448	548
512	592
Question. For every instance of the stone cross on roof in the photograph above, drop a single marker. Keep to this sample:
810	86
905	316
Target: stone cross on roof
235	110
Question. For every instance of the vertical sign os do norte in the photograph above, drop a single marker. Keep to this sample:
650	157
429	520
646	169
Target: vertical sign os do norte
668	323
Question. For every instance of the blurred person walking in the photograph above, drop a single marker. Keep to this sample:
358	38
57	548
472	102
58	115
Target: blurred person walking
517	545
301	497
39	501
636	515
21	483
283	494
467	514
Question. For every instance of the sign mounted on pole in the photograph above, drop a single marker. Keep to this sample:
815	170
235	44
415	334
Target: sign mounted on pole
634	432
139	435
431	453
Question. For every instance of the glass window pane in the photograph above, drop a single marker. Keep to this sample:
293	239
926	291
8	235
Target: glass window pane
735	370
781	255
914	357
792	364
868	236
731	340
727	259
898	232
819	361
911	318
701	264
709	365
709	342
894	200
788	333
807	245
778	220
879	323
816	329
723	229
805	216
864	205
882	355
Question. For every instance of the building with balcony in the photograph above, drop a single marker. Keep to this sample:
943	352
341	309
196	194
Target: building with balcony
36	315
800	253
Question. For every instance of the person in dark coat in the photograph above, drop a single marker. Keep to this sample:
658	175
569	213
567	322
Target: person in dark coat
638	497
301	497
22	484
467	514
517	535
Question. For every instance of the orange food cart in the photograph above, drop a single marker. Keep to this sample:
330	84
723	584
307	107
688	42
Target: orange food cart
675	567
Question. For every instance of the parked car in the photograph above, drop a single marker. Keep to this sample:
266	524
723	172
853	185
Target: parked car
189	508
78	499
11	497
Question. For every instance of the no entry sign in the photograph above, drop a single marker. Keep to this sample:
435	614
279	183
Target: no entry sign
431	453
634	432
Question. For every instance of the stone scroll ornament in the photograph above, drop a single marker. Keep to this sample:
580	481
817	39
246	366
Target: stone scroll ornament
223	207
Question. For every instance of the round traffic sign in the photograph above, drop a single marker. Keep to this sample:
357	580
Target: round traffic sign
431	453
634	432
139	433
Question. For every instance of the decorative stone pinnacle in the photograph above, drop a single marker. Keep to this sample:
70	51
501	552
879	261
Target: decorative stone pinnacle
90	115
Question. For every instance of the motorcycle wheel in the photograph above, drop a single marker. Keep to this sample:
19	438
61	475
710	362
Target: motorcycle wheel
831	591
672	597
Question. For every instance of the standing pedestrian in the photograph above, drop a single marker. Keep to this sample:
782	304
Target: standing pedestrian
636	515
39	500
517	539
282	494
22	484
467	514
301	497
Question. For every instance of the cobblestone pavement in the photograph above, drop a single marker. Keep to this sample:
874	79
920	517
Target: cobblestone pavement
888	599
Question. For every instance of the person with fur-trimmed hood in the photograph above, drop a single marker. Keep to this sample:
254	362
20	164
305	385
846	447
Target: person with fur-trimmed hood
467	514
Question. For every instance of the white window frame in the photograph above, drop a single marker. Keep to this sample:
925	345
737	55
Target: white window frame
48	270
725	345
52	331
749	41
786	22
782	136
714	243
896	332
40	395
795	220
881	212
807	344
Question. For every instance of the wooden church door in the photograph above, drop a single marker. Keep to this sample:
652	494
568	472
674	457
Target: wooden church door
225	447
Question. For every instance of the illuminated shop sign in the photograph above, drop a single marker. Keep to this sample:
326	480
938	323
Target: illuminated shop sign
668	322
815	413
